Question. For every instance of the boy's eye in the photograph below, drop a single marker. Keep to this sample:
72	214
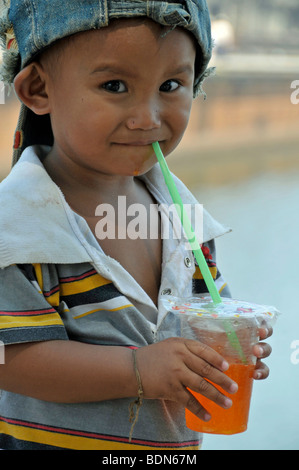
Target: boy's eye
169	85
115	86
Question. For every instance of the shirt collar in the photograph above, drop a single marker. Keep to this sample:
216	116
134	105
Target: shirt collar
38	226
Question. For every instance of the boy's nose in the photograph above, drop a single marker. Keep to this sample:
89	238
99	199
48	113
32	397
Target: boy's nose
145	116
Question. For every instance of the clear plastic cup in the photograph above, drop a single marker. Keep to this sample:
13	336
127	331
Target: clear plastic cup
230	328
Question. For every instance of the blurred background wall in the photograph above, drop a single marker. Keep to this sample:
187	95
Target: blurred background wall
240	158
248	124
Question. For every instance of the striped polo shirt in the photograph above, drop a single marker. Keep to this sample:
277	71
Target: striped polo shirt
91	299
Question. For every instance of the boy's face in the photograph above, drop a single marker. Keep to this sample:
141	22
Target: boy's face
118	90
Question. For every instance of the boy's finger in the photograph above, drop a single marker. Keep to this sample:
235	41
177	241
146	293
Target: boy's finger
261	372
207	363
204	387
262	350
196	408
265	331
208	354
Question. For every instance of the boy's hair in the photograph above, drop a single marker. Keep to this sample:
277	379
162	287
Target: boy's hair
29	27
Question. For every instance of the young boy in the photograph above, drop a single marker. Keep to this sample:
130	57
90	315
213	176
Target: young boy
99	83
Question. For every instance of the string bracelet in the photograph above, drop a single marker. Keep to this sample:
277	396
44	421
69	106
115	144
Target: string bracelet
135	406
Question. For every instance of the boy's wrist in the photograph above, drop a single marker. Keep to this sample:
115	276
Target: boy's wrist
136	404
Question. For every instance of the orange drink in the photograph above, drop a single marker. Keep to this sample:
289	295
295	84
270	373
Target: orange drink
226	421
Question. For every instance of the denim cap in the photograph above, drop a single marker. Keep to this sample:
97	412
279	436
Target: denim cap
27	27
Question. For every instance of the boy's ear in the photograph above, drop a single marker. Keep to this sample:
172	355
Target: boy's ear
31	88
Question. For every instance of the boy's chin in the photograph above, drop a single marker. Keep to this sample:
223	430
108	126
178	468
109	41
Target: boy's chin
139	171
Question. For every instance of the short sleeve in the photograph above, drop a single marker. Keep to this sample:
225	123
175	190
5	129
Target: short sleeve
25	314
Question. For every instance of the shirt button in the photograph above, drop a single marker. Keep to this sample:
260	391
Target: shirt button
166	292
188	262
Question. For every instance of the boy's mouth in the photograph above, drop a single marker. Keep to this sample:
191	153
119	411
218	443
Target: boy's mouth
137	143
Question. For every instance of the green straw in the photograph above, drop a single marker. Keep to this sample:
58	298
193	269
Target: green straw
199	256
232	336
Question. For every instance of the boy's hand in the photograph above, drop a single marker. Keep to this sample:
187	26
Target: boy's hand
262	350
171	366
